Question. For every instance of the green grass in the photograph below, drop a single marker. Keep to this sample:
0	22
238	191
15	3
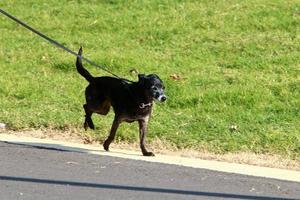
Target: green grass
238	62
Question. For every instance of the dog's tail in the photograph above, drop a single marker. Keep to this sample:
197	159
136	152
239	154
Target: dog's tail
81	70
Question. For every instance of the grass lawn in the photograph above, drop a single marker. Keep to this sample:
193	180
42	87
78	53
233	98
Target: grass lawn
231	68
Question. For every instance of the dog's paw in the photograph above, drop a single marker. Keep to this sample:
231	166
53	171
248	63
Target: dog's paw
90	123
85	126
148	154
106	146
92	126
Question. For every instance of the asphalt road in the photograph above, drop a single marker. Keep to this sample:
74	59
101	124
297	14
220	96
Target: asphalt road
36	173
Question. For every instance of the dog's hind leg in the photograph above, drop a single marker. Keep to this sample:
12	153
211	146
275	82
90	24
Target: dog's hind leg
103	108
112	133
88	122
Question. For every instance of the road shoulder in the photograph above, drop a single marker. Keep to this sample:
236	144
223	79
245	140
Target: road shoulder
280	174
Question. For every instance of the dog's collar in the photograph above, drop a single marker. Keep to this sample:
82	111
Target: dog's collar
144	105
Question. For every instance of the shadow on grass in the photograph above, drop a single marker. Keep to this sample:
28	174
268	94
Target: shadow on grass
134	188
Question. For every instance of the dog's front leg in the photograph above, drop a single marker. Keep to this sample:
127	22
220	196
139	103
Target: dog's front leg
143	130
112	133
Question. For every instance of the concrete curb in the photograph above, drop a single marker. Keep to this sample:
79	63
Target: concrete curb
281	174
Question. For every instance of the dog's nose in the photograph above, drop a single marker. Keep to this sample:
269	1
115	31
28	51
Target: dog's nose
163	98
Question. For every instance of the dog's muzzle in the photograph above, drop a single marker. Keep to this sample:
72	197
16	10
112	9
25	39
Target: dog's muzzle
162	98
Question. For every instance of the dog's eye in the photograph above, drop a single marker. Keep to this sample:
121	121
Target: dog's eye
154	88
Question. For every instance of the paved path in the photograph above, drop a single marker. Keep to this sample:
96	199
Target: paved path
31	171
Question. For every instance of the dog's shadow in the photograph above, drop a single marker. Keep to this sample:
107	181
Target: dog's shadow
65	148
113	151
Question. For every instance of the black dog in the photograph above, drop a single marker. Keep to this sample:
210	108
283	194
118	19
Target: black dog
130	101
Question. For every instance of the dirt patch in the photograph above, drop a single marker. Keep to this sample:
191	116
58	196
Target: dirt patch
162	147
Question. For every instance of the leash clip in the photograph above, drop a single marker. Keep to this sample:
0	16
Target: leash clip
143	105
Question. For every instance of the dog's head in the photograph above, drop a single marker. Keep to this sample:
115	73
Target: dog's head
154	86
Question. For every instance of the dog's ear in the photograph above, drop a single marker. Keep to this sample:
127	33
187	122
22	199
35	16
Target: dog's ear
141	77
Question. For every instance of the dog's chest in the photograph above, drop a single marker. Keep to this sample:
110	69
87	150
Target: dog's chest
137	114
